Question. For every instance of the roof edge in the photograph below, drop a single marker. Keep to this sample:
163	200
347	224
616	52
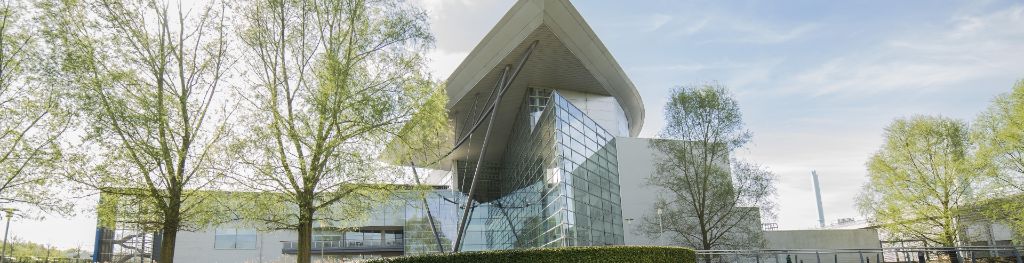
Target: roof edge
569	26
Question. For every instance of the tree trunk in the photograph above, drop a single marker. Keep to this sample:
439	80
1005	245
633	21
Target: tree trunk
950	241
305	235
953	256
169	230
707	257
169	233
705	244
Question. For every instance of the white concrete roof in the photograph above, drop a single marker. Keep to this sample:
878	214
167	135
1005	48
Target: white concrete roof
569	56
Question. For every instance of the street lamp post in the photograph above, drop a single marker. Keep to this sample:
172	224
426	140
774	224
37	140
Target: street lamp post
9	212
661	226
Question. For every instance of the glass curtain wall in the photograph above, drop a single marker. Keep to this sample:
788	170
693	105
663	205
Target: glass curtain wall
589	165
557	185
419	236
559	182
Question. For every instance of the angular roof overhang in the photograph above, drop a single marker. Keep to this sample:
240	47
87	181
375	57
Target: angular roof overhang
569	56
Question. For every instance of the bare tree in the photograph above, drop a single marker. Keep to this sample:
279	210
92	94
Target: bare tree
148	79
708	204
334	81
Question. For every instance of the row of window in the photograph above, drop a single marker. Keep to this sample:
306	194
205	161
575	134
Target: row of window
233	238
362	238
237	238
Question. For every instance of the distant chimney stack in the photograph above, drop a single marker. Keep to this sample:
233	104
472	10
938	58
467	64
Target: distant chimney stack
817	194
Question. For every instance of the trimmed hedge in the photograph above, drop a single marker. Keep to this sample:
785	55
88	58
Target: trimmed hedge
603	254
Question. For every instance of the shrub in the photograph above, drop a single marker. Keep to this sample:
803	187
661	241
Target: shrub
649	254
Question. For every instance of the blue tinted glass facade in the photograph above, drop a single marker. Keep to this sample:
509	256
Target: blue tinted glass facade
556	186
419	235
590	180
400	226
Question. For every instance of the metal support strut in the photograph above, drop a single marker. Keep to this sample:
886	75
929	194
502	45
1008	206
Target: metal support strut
504	83
430	217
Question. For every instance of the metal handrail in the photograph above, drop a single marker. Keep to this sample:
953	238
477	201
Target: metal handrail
346	244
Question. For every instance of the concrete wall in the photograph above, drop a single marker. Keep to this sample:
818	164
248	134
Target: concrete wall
604	110
992	233
637	161
824	240
198	247
636	164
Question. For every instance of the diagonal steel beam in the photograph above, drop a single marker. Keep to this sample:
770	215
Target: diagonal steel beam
430	217
505	82
468	207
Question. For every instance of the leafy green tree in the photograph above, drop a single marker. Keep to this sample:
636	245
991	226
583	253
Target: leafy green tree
920	178
147	77
999	134
334	82
32	119
708	203
425	140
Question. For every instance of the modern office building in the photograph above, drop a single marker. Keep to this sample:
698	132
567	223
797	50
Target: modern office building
550	164
394	228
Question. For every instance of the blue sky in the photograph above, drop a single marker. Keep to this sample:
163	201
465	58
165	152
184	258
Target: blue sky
817	80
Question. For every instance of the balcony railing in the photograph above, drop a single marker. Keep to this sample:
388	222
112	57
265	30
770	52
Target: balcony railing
317	245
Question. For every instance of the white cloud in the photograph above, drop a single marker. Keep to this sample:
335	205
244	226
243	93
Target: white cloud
686	67
692	28
969	48
731	65
874	75
656	21
758	34
458	25
645	23
730	28
1007	21
443	63
437	7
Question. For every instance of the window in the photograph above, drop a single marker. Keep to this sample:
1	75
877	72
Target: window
371	238
392	238
232	238
354	239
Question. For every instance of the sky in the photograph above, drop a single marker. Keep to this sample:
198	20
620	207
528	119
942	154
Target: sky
817	81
